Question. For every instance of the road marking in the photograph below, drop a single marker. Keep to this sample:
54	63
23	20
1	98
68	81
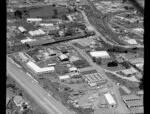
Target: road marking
17	65
29	75
36	81
12	60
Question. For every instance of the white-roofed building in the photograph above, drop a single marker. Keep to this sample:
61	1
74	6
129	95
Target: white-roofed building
27	40
37	32
46	24
34	19
73	69
41	31
110	100
129	71
139	30
70	18
134	103
22	29
100	54
36	69
64	77
63	57
131	41
141	92
32	33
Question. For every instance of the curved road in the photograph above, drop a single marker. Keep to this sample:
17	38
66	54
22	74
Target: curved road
92	15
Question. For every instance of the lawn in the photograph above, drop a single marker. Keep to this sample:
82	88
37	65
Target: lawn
47	12
133	86
81	63
122	92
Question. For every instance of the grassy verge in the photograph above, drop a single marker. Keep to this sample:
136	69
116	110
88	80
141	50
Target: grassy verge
132	86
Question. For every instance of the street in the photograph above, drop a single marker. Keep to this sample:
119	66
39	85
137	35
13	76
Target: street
122	109
41	97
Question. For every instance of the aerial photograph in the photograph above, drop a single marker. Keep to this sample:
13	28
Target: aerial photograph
74	57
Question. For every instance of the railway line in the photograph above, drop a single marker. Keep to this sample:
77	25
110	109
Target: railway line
99	21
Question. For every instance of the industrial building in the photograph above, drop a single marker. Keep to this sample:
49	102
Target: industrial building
110	100
139	30
69	17
137	110
63	57
46	24
36	69
37	32
94	79
27	40
141	92
33	19
100	54
22	29
134	103
64	77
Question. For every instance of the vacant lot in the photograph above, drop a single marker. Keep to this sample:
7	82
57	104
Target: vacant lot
47	12
132	86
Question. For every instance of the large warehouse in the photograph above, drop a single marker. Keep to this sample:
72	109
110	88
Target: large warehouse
100	54
36	69
110	100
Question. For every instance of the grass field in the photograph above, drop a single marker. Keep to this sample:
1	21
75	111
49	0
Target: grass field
47	12
132	86
122	92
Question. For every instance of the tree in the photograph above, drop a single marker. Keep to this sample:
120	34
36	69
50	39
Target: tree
141	84
55	11
18	13
98	61
54	16
64	17
54	5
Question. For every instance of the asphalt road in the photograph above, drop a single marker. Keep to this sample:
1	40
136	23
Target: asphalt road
122	109
41	97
